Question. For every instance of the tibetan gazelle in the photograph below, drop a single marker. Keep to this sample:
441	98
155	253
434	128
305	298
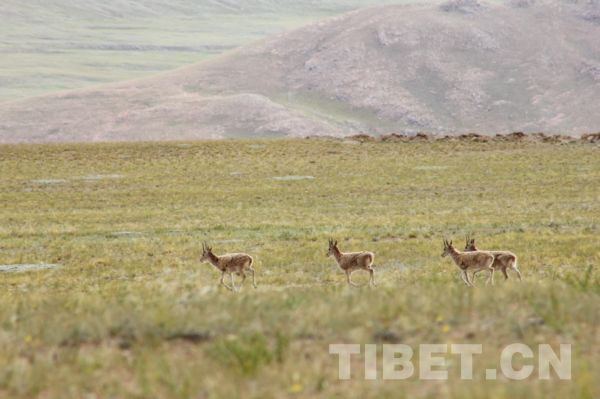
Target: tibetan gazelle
229	263
470	261
350	262
503	260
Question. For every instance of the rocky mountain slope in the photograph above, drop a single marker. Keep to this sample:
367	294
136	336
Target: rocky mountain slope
454	67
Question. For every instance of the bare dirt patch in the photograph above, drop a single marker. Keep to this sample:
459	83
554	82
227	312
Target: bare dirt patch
292	178
27	267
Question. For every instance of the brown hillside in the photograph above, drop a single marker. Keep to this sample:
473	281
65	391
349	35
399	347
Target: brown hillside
448	68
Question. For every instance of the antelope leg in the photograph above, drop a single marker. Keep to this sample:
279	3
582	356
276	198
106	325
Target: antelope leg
372	277
465	278
232	282
471	282
350	283
251	270
491	277
223	282
517	271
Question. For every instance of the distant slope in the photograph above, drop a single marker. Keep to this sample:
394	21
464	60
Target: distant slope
55	45
450	68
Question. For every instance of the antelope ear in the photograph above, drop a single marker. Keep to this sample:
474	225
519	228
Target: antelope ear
450	242
335	243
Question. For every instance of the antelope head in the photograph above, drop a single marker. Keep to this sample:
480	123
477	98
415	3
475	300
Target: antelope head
470	244
332	248
448	248
206	252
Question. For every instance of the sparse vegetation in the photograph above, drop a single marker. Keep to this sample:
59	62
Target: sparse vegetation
72	44
132	313
403	68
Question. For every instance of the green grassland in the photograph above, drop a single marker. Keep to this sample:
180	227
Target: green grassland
133	314
59	45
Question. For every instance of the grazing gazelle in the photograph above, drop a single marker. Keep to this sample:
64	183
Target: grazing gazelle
470	261
503	260
229	263
350	262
